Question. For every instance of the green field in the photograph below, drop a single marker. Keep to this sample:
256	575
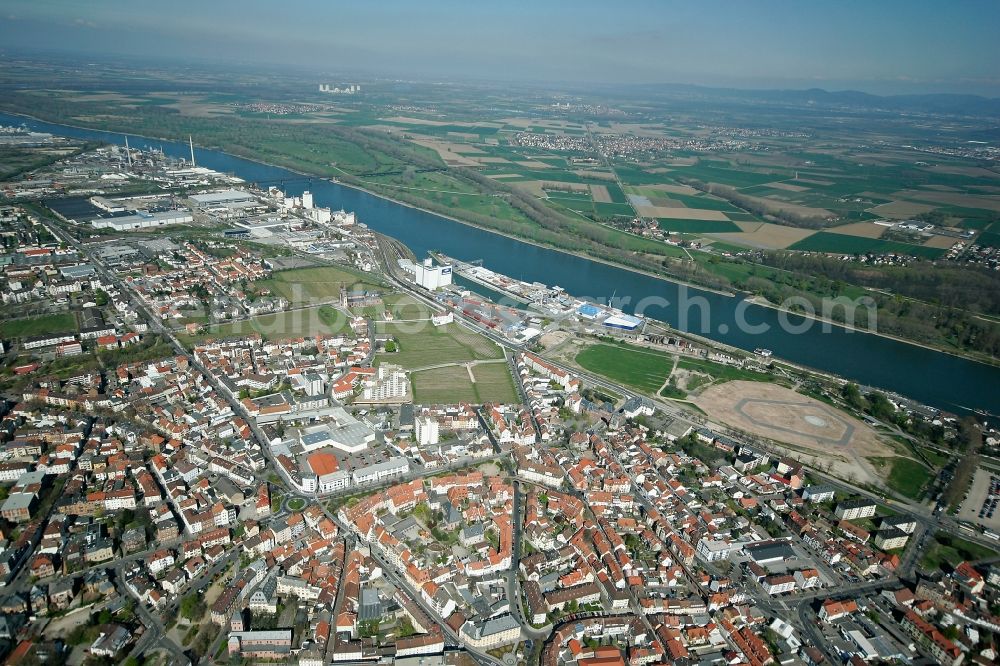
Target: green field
825	241
906	476
722	372
422	344
639	368
989	239
952	550
818	167
452	384
324	320
401	306
63	322
302	286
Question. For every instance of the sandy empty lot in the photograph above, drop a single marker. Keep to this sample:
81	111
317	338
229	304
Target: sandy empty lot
809	426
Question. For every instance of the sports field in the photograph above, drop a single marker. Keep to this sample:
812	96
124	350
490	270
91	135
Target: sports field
421	344
454	383
64	322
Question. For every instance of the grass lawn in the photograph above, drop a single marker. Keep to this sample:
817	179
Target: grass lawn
494	383
935	456
63	322
952	550
906	476
639	368
452	384
324	320
402	307
722	372
422	344
296	504
303	286
673	392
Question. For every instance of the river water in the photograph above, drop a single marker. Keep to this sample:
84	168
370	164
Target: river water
937	379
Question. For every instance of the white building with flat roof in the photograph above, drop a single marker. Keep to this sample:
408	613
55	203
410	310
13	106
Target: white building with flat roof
393	467
143	220
426	430
433	277
224	198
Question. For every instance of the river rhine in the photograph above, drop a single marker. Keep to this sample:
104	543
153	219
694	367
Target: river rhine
938	379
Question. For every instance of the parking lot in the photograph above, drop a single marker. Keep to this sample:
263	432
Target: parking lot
982	504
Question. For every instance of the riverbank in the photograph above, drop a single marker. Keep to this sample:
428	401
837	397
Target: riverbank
944	381
249	155
528	241
763	302
256	158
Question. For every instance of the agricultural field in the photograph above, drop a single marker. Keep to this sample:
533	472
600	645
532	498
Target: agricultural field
63	322
307	286
476	383
838	243
421	345
575	176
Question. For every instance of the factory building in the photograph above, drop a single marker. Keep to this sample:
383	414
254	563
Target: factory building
432	277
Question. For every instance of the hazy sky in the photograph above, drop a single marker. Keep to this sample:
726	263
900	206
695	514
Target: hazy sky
880	46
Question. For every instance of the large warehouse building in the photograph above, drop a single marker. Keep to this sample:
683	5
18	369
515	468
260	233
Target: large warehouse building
143	220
